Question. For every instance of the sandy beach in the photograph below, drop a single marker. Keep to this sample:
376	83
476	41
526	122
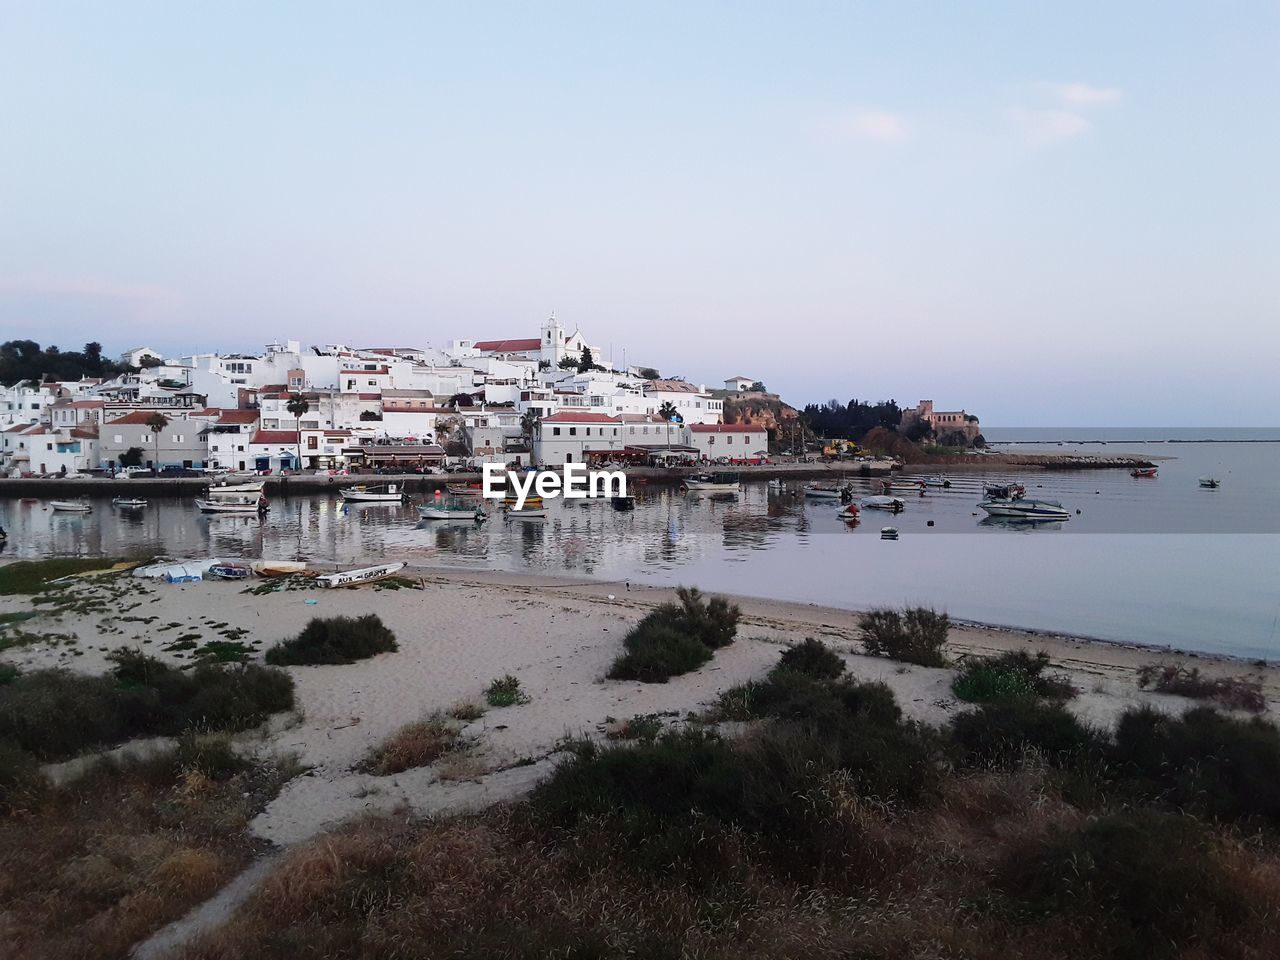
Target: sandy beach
459	630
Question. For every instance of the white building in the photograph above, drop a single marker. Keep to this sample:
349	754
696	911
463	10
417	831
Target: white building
738	384
569	437
33	449
737	441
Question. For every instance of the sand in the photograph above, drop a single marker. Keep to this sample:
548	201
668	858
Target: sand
558	636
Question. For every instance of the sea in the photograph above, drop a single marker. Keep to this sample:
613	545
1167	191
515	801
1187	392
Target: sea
1161	561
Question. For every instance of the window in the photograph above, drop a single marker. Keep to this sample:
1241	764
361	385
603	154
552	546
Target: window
711	441
555	431
118	438
573	431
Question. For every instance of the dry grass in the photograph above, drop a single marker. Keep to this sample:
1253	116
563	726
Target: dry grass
1234	693
106	861
418	744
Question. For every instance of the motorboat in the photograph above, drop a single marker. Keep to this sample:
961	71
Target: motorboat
895	504
278	568
901	483
1210	483
623	504
526	513
445	511
244	503
1024	509
354	578
937	481
533	500
823	491
252	486
1143	472
849	513
377	493
712	483
128	503
464	490
71	506
888	533
998	490
231	570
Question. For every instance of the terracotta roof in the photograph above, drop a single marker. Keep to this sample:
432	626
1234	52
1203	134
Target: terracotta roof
275	436
82	404
368	396
510	346
238	416
85	433
274	388
137	417
671	386
565	416
727	428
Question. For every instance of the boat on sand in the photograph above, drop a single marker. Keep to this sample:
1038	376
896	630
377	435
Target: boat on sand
355	578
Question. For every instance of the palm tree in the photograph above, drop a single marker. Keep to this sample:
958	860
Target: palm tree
530	421
668	412
157	422
297	405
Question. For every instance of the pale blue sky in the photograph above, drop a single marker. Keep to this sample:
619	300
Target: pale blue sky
1047	213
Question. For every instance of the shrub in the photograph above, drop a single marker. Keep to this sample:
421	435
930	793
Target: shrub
55	714
1217	765
334	640
714	620
505	692
1234	693
20	777
656	651
418	744
812	658
1151	880
916	635
819	704
1000	733
1011	676
210	755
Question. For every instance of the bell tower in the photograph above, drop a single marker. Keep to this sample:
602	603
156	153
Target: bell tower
552	340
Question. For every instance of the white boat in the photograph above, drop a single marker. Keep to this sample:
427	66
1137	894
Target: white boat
378	493
896	504
1210	483
888	533
353	578
1024	509
230	570
527	513
71	506
1003	491
184	573
247	503
937	481
442	511
278	568
713	483
175	571
254	486
901	483
822	491
464	490
128	503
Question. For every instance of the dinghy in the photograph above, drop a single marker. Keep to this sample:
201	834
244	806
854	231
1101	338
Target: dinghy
895	504
278	568
128	503
378	493
71	506
354	578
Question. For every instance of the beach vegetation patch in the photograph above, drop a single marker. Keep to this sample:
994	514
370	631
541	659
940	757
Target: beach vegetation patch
33	576
1016	675
1233	693
914	635
812	658
417	744
676	638
505	691
1003	733
334	640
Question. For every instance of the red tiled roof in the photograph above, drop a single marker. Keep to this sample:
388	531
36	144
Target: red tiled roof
137	417
275	436
274	388
671	386
368	396
726	428
510	346
85	433
238	416
565	416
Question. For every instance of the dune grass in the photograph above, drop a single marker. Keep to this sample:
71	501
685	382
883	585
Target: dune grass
676	638
334	640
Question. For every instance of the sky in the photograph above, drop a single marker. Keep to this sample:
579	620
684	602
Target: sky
1048	214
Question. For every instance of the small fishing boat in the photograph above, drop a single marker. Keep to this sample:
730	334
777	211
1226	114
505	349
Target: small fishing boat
623	504
1209	483
378	493
937	481
444	511
894	504
254	486
888	533
465	489
230	570
526	513
243	504
712	483
1003	491
532	500
1143	472
71	506
128	503
278	568
354	578
823	491
901	483
1024	509
849	513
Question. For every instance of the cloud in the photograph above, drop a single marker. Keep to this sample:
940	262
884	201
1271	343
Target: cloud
1083	95
1040	127
878	126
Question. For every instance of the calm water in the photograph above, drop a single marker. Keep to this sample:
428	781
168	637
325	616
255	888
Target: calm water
1153	561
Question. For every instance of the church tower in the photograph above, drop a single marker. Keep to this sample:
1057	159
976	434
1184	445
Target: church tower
552	341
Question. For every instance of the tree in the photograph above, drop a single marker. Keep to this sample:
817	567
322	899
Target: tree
586	362
668	412
131	457
297	405
568	363
93	357
649	373
758	387
462	400
157	422
529	423
148	361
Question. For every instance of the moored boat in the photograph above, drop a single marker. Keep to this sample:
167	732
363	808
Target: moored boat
823	491
464	489
1026	509
128	503
1000	490
1210	483
849	513
712	483
526	513
894	504
71	506
623	504
444	511
354	578
937	481
1142	472
901	483
253	486
377	493
247	503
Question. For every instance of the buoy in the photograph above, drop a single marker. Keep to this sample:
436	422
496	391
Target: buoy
928	523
